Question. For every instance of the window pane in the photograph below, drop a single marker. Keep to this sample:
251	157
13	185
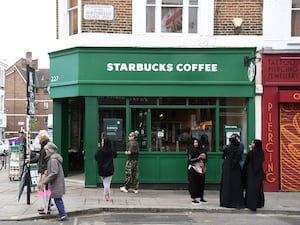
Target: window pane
73	22
172	101
172	2
232	121
296	23
172	129
232	102
193	2
150	19
171	20
73	3
202	101
112	125
296	4
150	1
193	19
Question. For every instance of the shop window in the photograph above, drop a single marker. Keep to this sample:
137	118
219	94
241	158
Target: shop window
73	16
172	16
112	126
172	130
232	120
296	18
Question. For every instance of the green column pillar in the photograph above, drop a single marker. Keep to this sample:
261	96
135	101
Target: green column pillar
60	130
91	134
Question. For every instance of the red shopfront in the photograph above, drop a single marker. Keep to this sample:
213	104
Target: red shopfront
281	120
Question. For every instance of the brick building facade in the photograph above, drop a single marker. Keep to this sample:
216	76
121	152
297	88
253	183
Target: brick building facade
16	97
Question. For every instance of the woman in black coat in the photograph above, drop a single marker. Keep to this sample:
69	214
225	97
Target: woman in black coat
104	157
231	187
253	175
196	175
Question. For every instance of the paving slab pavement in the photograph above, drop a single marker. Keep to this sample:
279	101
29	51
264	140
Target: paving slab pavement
80	200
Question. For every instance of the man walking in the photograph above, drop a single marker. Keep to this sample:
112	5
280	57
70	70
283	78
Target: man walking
132	165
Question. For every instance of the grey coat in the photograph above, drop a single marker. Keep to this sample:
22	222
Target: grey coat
55	178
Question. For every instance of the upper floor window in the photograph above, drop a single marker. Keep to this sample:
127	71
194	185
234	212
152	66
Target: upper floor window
73	16
2	77
296	18
171	16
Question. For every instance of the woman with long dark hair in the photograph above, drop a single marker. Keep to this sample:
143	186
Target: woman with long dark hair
104	157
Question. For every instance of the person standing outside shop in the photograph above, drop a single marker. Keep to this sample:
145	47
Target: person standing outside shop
242	147
54	180
231	187
105	162
253	175
40	159
197	158
132	165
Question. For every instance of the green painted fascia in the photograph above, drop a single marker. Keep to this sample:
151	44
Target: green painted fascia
83	71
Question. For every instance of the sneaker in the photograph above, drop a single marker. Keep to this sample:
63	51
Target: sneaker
195	202
63	218
123	189
135	191
203	201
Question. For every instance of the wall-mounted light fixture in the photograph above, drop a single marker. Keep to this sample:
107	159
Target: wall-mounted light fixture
237	23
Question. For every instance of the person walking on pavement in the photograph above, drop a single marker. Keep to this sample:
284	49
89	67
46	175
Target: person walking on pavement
132	165
40	159
55	178
105	162
197	158
253	175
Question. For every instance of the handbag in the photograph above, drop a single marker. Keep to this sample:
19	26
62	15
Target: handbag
199	167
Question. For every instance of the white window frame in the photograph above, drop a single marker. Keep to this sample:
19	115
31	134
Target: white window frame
63	19
293	9
205	18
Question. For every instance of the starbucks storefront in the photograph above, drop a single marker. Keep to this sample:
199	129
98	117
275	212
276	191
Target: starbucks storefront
165	95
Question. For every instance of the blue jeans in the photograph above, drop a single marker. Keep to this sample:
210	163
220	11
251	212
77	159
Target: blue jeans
60	207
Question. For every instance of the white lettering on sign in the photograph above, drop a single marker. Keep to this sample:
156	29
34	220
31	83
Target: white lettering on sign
98	12
160	67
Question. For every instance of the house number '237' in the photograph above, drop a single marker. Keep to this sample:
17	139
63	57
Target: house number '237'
54	78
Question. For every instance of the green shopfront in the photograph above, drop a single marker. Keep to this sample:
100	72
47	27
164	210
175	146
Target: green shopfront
167	95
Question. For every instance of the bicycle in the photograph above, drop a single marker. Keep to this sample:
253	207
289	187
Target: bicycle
3	160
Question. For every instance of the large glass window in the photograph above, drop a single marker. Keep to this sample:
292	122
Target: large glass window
168	124
172	16
233	119
296	18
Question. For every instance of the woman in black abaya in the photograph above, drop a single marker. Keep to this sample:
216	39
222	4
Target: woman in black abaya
231	187
253	175
196	175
